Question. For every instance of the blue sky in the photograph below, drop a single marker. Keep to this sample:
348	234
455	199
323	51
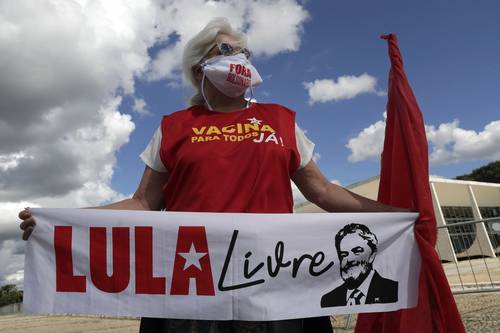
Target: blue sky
84	84
450	51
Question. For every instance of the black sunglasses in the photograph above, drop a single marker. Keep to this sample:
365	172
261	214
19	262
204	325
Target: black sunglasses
227	49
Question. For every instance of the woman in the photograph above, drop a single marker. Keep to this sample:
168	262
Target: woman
228	154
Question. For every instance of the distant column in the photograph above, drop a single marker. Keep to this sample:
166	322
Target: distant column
486	248
443	244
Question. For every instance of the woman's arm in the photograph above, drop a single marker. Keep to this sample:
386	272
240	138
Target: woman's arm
334	198
148	196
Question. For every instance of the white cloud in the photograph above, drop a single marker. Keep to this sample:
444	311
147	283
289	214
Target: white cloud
12	259
345	87
275	26
316	157
140	107
9	222
453	144
64	64
182	19
70	161
166	64
448	143
11	245
10	161
368	144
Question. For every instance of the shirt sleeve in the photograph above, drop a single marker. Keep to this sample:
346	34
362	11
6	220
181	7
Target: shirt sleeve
151	155
304	146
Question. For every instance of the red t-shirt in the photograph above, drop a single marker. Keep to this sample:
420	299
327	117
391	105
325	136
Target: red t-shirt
230	162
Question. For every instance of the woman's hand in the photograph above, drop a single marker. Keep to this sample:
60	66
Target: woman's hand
28	223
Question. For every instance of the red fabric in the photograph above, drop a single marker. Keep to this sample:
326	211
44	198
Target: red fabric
222	162
404	182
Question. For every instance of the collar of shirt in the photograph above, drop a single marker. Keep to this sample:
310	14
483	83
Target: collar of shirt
363	287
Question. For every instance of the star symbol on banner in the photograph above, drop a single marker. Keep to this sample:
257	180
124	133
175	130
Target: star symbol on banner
192	257
254	121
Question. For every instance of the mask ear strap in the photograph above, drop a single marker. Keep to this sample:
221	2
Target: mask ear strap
203	92
249	102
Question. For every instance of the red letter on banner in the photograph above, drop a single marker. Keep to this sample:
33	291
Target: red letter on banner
145	283
119	280
192	244
65	280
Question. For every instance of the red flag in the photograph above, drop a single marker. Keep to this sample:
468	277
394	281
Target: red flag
404	182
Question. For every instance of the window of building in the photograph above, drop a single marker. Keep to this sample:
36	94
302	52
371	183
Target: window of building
462	236
494	235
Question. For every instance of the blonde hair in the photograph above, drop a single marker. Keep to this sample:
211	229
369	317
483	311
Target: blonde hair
198	46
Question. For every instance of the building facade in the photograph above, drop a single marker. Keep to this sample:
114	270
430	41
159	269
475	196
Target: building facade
455	202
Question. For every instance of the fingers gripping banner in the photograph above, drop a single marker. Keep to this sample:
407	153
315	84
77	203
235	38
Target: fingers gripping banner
220	266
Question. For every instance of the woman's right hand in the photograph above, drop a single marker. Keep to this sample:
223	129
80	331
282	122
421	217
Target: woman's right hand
28	223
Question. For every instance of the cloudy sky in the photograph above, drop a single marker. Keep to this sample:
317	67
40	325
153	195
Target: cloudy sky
83	85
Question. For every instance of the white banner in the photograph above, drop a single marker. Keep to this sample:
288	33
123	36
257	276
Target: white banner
220	266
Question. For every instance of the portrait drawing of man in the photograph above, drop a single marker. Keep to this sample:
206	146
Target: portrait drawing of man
357	247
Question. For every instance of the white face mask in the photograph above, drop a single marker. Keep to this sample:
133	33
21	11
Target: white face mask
231	75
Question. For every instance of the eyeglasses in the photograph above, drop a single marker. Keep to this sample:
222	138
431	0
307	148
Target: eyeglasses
227	49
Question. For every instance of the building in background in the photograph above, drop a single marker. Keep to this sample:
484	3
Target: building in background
455	201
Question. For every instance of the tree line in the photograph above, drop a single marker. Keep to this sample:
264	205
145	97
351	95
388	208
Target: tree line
489	173
9	294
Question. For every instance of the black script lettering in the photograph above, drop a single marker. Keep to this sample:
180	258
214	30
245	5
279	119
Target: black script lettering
315	263
278	255
222	277
297	262
273	269
246	273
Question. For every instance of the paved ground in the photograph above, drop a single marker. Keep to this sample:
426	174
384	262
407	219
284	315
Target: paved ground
480	311
73	324
465	274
